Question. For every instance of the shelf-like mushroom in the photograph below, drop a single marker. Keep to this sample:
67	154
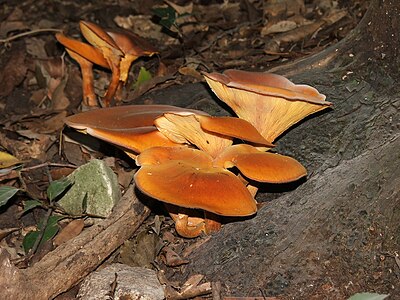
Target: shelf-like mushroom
270	102
129	127
186	177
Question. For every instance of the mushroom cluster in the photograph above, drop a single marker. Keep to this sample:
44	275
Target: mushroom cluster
191	160
111	49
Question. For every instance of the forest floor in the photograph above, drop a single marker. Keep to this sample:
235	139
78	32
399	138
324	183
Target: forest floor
41	85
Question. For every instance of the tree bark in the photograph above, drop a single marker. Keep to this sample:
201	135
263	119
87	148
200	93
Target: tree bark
338	232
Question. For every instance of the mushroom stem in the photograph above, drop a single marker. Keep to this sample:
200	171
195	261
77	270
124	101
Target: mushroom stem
89	96
252	189
112	88
212	222
184	230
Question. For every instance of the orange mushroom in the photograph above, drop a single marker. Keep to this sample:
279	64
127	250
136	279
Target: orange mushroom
186	177
129	127
96	36
270	102
133	47
85	55
191	178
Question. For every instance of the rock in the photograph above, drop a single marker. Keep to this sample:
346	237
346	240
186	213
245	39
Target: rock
95	190
132	283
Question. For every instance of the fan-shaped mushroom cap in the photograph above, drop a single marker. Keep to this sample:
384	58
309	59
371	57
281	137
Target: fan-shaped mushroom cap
130	127
261	166
186	177
123	117
270	102
84	50
133	140
96	36
133	46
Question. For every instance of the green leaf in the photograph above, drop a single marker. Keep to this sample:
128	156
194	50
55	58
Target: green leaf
368	296
49	232
51	228
29	240
167	16
57	187
6	193
143	76
30	204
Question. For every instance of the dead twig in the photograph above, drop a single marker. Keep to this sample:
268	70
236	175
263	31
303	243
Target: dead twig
31	32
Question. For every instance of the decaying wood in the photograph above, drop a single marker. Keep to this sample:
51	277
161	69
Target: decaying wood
70	262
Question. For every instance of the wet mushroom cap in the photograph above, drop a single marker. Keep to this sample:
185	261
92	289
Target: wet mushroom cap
271	103
133	140
186	177
131	43
84	50
261	166
130	127
233	127
268	84
122	117
133	46
99	38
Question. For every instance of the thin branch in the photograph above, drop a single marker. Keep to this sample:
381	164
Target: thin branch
31	32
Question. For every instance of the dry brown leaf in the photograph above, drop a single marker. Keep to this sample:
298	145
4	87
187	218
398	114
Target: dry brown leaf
188	9
188	71
172	259
142	251
280	26
36	47
73	229
13	72
53	124
9	26
190	289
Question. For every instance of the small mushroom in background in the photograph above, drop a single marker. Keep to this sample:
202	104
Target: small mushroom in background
133	47
96	36
111	49
85	55
270	102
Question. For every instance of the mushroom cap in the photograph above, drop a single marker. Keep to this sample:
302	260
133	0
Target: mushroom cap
233	127
261	166
132	46
131	43
130	127
86	51
122	117
132	140
268	101
268	84
186	177
96	36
